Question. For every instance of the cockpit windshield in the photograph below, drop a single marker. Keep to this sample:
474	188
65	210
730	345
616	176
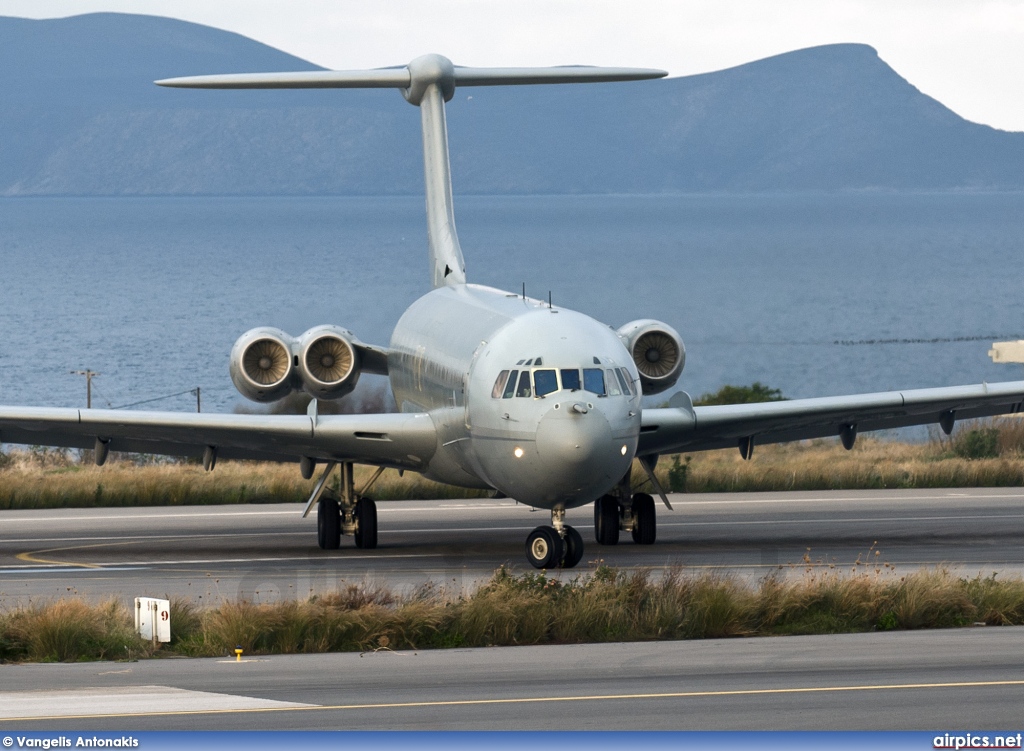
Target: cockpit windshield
545	382
499	385
593	380
571	380
524	384
510	387
540	382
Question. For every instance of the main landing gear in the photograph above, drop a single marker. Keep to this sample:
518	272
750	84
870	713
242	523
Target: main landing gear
557	546
638	518
349	513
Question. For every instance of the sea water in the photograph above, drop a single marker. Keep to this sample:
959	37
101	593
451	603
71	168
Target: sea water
814	294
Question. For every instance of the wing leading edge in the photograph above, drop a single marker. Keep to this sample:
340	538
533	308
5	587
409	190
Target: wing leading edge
404	441
682	427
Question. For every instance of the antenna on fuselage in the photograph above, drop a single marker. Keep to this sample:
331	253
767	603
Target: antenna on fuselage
427	82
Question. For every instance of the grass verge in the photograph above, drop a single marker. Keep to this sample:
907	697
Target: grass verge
605	605
986	453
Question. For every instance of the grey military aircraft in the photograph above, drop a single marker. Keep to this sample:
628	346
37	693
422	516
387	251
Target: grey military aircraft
496	390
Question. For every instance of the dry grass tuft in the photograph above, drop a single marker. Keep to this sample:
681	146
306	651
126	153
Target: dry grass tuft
53	478
70	630
984	453
602	606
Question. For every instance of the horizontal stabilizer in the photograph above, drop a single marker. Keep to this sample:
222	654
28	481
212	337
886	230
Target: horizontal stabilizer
385	78
401	78
426	82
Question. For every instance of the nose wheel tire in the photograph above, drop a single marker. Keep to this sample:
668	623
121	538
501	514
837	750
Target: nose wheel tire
544	548
328	525
606	520
366	524
645	526
573	548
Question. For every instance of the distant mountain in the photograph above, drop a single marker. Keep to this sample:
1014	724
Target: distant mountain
79	115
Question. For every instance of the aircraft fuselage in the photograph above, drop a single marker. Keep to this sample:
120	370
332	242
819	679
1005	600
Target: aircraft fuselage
541	403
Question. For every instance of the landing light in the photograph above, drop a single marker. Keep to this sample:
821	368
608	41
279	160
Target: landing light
518	452
623	451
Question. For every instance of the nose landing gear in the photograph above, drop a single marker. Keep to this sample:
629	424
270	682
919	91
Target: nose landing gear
555	546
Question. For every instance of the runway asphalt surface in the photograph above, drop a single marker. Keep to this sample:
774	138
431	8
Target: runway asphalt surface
967	679
267	552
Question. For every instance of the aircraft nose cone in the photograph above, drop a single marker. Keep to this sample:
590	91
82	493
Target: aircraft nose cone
573	435
577	440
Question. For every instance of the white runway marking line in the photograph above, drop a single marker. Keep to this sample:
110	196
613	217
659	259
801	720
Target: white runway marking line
84	702
147	538
113	517
677	499
857	520
199	535
842	499
297	512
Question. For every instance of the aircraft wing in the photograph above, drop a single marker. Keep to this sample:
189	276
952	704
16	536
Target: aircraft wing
403	441
682	427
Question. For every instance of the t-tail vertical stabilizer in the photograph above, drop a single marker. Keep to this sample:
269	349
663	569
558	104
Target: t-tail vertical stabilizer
427	82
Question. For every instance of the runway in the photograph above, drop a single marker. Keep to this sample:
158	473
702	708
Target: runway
967	679
267	552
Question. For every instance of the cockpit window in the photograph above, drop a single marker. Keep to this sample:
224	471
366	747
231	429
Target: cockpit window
571	380
510	386
593	380
627	387
499	385
544	382
524	384
614	387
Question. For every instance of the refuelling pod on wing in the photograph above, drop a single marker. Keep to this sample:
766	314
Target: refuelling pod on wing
658	351
263	366
328	362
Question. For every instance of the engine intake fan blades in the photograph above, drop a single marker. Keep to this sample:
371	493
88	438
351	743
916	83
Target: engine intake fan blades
656	354
266	362
329	359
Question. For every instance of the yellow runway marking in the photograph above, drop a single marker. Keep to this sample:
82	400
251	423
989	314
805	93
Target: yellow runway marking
534	700
32	557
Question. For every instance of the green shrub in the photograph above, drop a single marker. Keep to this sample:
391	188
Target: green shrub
677	474
752	394
980	443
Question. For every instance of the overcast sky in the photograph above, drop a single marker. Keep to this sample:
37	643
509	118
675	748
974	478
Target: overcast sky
968	54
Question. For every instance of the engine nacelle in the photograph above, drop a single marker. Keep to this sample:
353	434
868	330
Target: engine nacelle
263	366
328	362
658	352
267	364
